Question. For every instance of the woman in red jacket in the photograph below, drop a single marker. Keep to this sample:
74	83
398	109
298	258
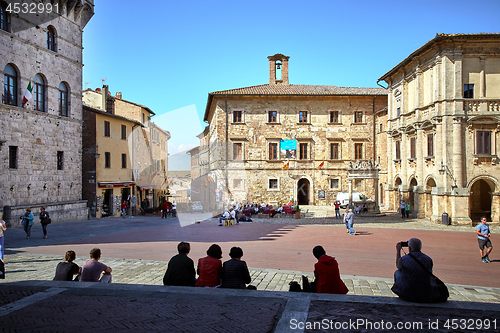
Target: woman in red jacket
210	268
326	272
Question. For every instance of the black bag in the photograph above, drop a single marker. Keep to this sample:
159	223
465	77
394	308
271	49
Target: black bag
49	220
2	270
442	288
295	286
306	286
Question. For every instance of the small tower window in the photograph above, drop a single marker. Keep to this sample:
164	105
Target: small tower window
278	70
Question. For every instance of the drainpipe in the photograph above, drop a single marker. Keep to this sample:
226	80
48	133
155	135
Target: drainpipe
227	145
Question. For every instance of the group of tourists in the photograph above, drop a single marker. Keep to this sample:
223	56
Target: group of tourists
27	221
90	271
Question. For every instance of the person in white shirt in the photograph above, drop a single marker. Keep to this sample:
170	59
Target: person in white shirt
224	216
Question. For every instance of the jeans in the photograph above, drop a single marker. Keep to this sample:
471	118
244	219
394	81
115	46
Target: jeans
222	218
164	215
337	214
27	230
44	228
2	248
124	212
351	230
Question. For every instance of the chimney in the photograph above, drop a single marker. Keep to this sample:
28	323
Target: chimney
278	69
118	95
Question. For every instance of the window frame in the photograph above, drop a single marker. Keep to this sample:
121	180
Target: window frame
468	90
238	186
4	17
13	157
51	38
304	151
334	117
275	117
398	149
358	152
358	117
107	160
338	145
63	100
331	183
107	129
430	144
124	161
240	151
303	117
413	147
237	116
277	180
276	150
124	132
60	160
39	94
10	82
483	145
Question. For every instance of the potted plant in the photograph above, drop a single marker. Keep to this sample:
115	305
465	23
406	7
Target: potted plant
297	212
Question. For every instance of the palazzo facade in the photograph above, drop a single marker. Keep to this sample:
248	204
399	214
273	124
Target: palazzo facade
443	129
278	141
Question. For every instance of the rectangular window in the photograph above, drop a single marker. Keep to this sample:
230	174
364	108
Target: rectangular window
107	160
358	151
237	183
358	116
124	161
237	116
273	151
334	183
60	160
302	116
399	112
272	117
381	128
413	147
107	130
334	116
12	157
468	91
483	142
334	151
273	184
430	144
303	151
237	151
124	132
398	150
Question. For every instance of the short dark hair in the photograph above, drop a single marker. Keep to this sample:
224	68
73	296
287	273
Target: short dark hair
214	251
183	247
318	251
95	253
236	252
484	218
70	255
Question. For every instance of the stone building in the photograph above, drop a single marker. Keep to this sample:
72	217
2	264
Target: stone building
107	173
279	141
444	128
147	144
40	140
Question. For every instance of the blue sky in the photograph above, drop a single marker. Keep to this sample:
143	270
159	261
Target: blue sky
170	54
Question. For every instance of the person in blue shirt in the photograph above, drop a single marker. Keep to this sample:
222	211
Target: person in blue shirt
28	222
483	238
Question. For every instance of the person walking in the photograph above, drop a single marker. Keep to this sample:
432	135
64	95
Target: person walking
483	238
28	222
407	210
402	208
124	208
44	221
349	222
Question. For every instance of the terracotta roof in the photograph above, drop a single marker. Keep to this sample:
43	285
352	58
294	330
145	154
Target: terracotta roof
437	38
301	89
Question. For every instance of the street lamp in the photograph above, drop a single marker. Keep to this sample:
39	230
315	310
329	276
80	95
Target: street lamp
444	169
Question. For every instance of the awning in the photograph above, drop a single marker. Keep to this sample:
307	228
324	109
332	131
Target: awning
116	184
146	187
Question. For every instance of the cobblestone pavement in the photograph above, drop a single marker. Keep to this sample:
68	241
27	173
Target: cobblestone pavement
42	267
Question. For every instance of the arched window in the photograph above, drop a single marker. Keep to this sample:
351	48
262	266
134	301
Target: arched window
9	85
63	100
39	93
4	17
51	39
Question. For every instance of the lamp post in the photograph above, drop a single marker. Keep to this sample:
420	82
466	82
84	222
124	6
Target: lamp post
444	169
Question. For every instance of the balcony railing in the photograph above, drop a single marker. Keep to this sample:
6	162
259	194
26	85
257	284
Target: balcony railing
481	105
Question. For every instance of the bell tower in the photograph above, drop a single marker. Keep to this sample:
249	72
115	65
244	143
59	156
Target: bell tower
278	69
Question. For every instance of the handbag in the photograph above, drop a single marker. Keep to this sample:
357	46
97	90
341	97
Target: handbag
442	288
49	220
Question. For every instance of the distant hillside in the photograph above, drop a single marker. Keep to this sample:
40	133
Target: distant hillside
180	161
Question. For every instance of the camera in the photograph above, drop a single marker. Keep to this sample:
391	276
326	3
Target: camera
404	244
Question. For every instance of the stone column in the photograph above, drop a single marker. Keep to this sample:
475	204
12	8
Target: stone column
375	183
404	158
457	169
350	193
482	78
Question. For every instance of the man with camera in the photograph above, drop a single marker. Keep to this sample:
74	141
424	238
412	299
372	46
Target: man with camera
412	282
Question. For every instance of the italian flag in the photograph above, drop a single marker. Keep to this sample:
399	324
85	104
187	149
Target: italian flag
28	94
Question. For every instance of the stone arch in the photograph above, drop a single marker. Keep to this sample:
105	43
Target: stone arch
481	190
412	199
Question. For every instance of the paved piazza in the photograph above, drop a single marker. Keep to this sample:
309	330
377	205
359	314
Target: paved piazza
276	250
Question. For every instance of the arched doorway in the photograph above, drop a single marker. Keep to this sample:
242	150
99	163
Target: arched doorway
303	187
398	196
428	197
480	199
